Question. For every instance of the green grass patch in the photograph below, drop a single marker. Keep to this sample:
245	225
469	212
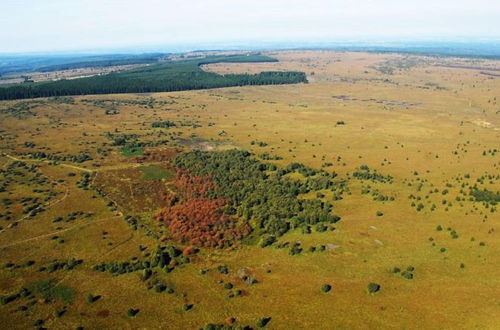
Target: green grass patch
154	172
132	151
50	291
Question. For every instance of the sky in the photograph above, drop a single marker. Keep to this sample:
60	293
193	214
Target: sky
70	25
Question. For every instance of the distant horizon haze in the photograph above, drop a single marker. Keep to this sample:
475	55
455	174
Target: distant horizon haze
33	26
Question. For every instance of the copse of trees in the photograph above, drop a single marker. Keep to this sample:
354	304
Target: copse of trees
253	191
163	77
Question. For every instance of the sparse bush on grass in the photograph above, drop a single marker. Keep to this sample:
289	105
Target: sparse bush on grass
132	312
90	298
9	298
296	249
262	322
187	307
373	288
326	288
406	274
267	240
223	269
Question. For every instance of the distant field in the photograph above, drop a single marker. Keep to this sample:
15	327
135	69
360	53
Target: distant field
368	199
15	64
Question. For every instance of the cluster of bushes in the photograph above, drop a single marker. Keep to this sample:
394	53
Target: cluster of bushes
266	156
34	208
408	273
22	293
80	157
365	173
377	196
259	143
20	110
452	231
319	248
485	195
163	124
84	182
61	265
230	292
109	104
72	216
20	173
11	265
159	286
164	257
294	249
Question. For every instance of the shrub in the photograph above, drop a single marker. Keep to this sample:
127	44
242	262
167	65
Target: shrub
326	288
8	299
223	269
262	322
407	275
267	240
132	312
373	288
320	227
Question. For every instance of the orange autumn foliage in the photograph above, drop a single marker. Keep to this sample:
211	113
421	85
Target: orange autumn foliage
199	220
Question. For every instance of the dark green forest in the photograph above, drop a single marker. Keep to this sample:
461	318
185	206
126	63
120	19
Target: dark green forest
175	75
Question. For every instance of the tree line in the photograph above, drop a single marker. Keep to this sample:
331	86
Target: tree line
163	77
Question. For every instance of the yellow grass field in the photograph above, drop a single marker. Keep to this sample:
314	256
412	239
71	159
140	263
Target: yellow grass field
431	123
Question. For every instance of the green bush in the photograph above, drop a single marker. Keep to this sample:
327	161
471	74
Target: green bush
267	240
262	322
132	312
326	288
373	288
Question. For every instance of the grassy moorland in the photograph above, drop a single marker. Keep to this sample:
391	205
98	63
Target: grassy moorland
367	198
